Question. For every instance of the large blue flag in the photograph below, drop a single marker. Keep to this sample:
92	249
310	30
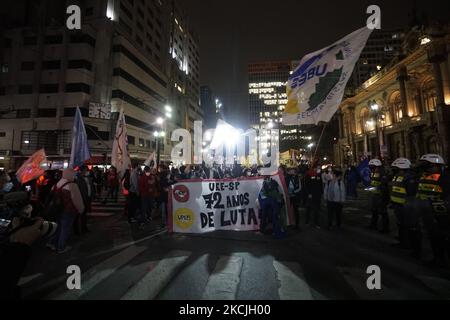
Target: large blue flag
364	172
80	146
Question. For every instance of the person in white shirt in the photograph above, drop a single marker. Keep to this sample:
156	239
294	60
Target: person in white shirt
334	195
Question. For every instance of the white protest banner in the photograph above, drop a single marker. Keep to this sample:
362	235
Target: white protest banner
200	206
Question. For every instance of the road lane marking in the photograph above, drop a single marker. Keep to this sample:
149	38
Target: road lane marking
98	273
157	279
224	280
292	286
27	279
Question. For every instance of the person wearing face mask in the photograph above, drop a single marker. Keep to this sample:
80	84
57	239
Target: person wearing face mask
86	186
314	191
165	183
294	188
148	192
335	196
327	175
434	195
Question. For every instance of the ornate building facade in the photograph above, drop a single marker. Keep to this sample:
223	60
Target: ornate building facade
404	110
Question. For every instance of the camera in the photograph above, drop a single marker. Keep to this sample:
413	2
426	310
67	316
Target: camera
18	206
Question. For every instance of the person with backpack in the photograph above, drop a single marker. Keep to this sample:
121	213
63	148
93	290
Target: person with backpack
86	186
133	199
334	195
68	200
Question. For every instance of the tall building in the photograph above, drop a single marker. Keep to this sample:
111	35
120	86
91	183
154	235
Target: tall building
381	48
119	59
210	106
404	110
267	100
183	68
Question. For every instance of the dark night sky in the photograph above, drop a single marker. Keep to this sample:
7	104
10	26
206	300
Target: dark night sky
235	32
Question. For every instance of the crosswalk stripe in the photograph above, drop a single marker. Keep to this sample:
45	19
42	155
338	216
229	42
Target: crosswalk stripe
27	279
102	208
101	214
292	286
98	273
223	282
357	279
155	280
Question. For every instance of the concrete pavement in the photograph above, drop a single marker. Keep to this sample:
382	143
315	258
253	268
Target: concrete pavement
122	262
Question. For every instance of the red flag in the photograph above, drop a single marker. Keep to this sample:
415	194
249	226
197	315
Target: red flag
31	168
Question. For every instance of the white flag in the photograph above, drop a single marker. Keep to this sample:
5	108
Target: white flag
120	159
151	158
316	87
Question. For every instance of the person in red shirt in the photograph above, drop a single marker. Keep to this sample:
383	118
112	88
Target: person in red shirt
112	181
148	190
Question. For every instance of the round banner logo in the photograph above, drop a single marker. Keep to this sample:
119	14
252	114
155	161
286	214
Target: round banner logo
184	218
181	193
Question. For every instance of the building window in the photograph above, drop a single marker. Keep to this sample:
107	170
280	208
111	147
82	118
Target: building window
80	64
78	87
82	38
125	26
29	41
23	113
27	66
363	120
26	89
7	42
140	13
126	11
49	88
139	41
141	143
4	68
396	108
429	96
54	39
131	140
51	65
46	113
2	134
148	144
89	11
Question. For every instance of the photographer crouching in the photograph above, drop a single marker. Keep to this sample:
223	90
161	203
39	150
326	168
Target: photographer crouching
18	231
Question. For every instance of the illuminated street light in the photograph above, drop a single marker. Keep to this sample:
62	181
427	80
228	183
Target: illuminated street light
160	121
310	145
168	108
375	107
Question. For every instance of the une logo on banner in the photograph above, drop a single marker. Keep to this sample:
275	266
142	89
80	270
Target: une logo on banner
181	193
184	218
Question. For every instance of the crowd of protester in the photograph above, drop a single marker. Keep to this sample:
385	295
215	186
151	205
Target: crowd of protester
66	197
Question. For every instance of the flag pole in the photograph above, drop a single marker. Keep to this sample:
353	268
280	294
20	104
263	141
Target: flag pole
318	143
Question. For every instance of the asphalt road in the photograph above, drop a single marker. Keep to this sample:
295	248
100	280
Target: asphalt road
121	262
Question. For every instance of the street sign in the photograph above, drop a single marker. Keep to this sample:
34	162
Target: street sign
100	111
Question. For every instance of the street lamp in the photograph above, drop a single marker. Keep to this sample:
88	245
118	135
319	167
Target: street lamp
376	112
159	135
310	146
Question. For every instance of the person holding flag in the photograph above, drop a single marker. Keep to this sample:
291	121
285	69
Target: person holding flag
120	158
316	87
80	145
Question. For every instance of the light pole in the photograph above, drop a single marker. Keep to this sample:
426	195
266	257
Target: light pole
161	134
375	110
310	146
